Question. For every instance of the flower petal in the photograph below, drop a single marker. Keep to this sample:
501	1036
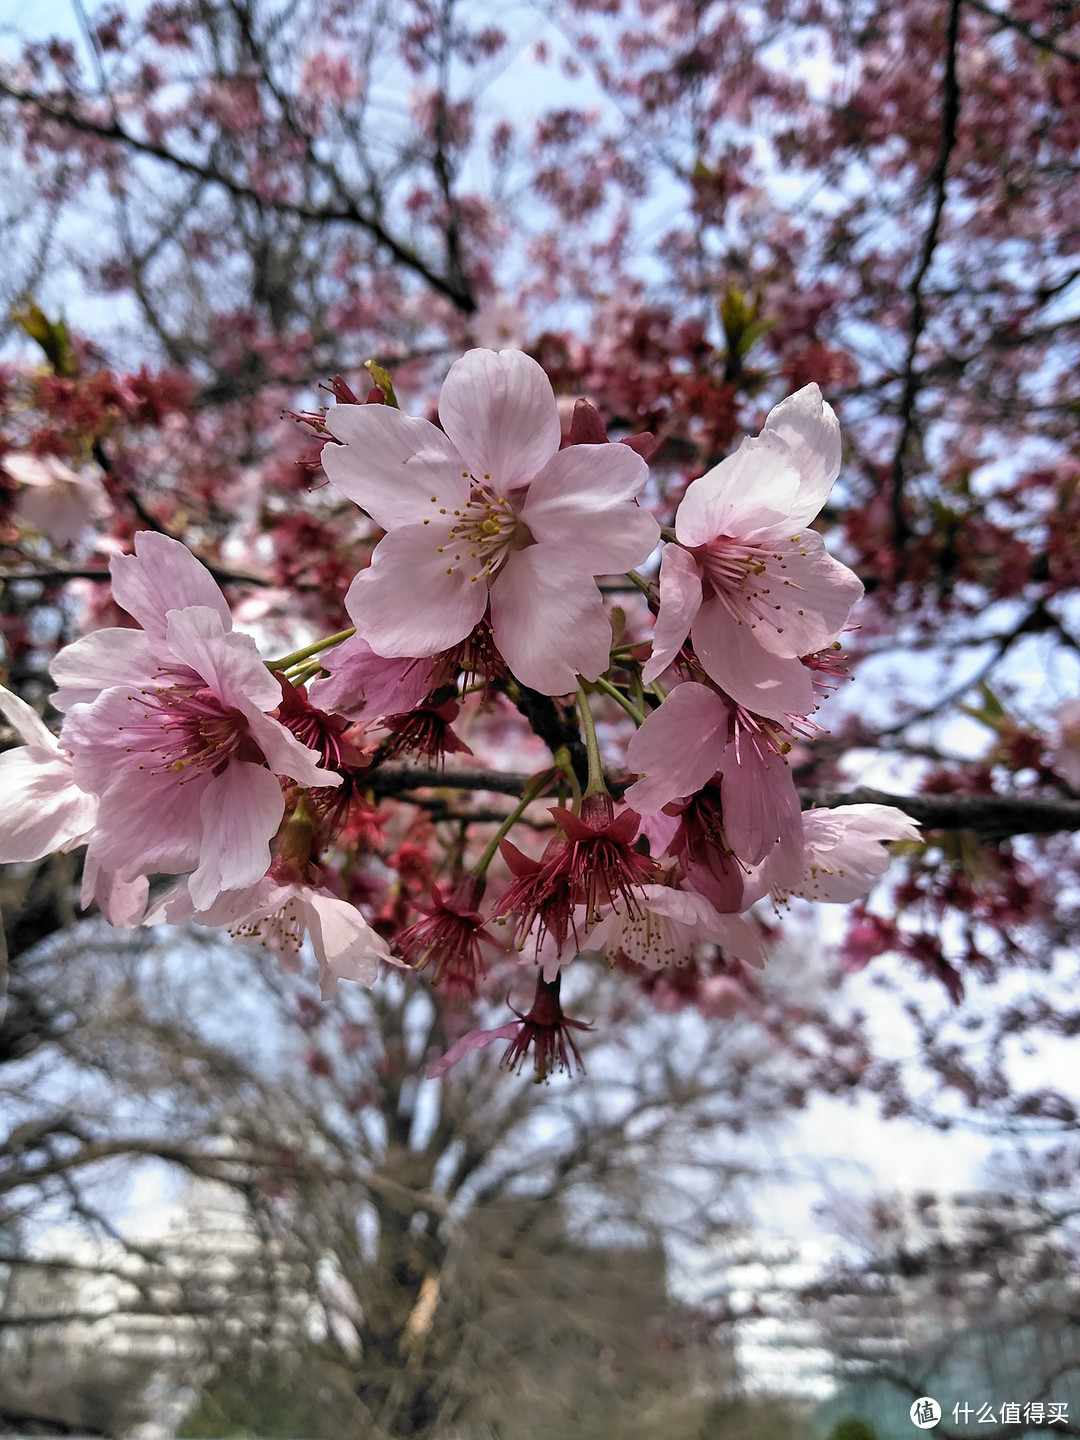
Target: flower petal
753	488
122	902
227	661
810	594
26	722
761	805
100	660
345	945
285	754
394	466
499	410
680	601
147	823
240	810
472	1041
406	602
364	686
44	810
767	684
163	575
678	749
811	429
549	621
582	501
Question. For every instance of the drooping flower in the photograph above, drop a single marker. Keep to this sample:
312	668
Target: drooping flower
671	924
592	864
845	852
168	727
488	512
278	914
695	736
750	583
545	1030
448	936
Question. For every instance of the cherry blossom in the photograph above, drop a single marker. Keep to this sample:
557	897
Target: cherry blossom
694	736
488	510
278	914
168	727
448	936
669	927
845	852
753	587
60	502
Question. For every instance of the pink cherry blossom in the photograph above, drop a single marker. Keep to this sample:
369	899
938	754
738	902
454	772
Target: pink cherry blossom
695	735
845	852
168	728
364	686
279	914
60	502
489	511
753	587
669	926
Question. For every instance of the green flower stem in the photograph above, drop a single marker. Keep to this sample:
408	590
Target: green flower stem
616	694
642	584
597	784
297	655
531	792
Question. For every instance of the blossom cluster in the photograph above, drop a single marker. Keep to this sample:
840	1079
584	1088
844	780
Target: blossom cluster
184	753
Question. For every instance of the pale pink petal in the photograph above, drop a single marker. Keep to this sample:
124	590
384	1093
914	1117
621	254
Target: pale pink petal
761	804
394	466
43	810
582	501
845	850
499	410
240	810
345	945
549	621
680	601
148	824
738	938
766	684
678	749
101	746
809	595
96	662
472	1041
660	830
122	902
406	602
163	575
752	488
227	661
285	754
26	722
812	431
364	686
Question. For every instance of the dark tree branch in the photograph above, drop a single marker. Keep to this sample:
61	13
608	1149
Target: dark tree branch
346	211
1023	27
950	113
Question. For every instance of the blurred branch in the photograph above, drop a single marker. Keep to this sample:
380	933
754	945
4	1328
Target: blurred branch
950	112
346	211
